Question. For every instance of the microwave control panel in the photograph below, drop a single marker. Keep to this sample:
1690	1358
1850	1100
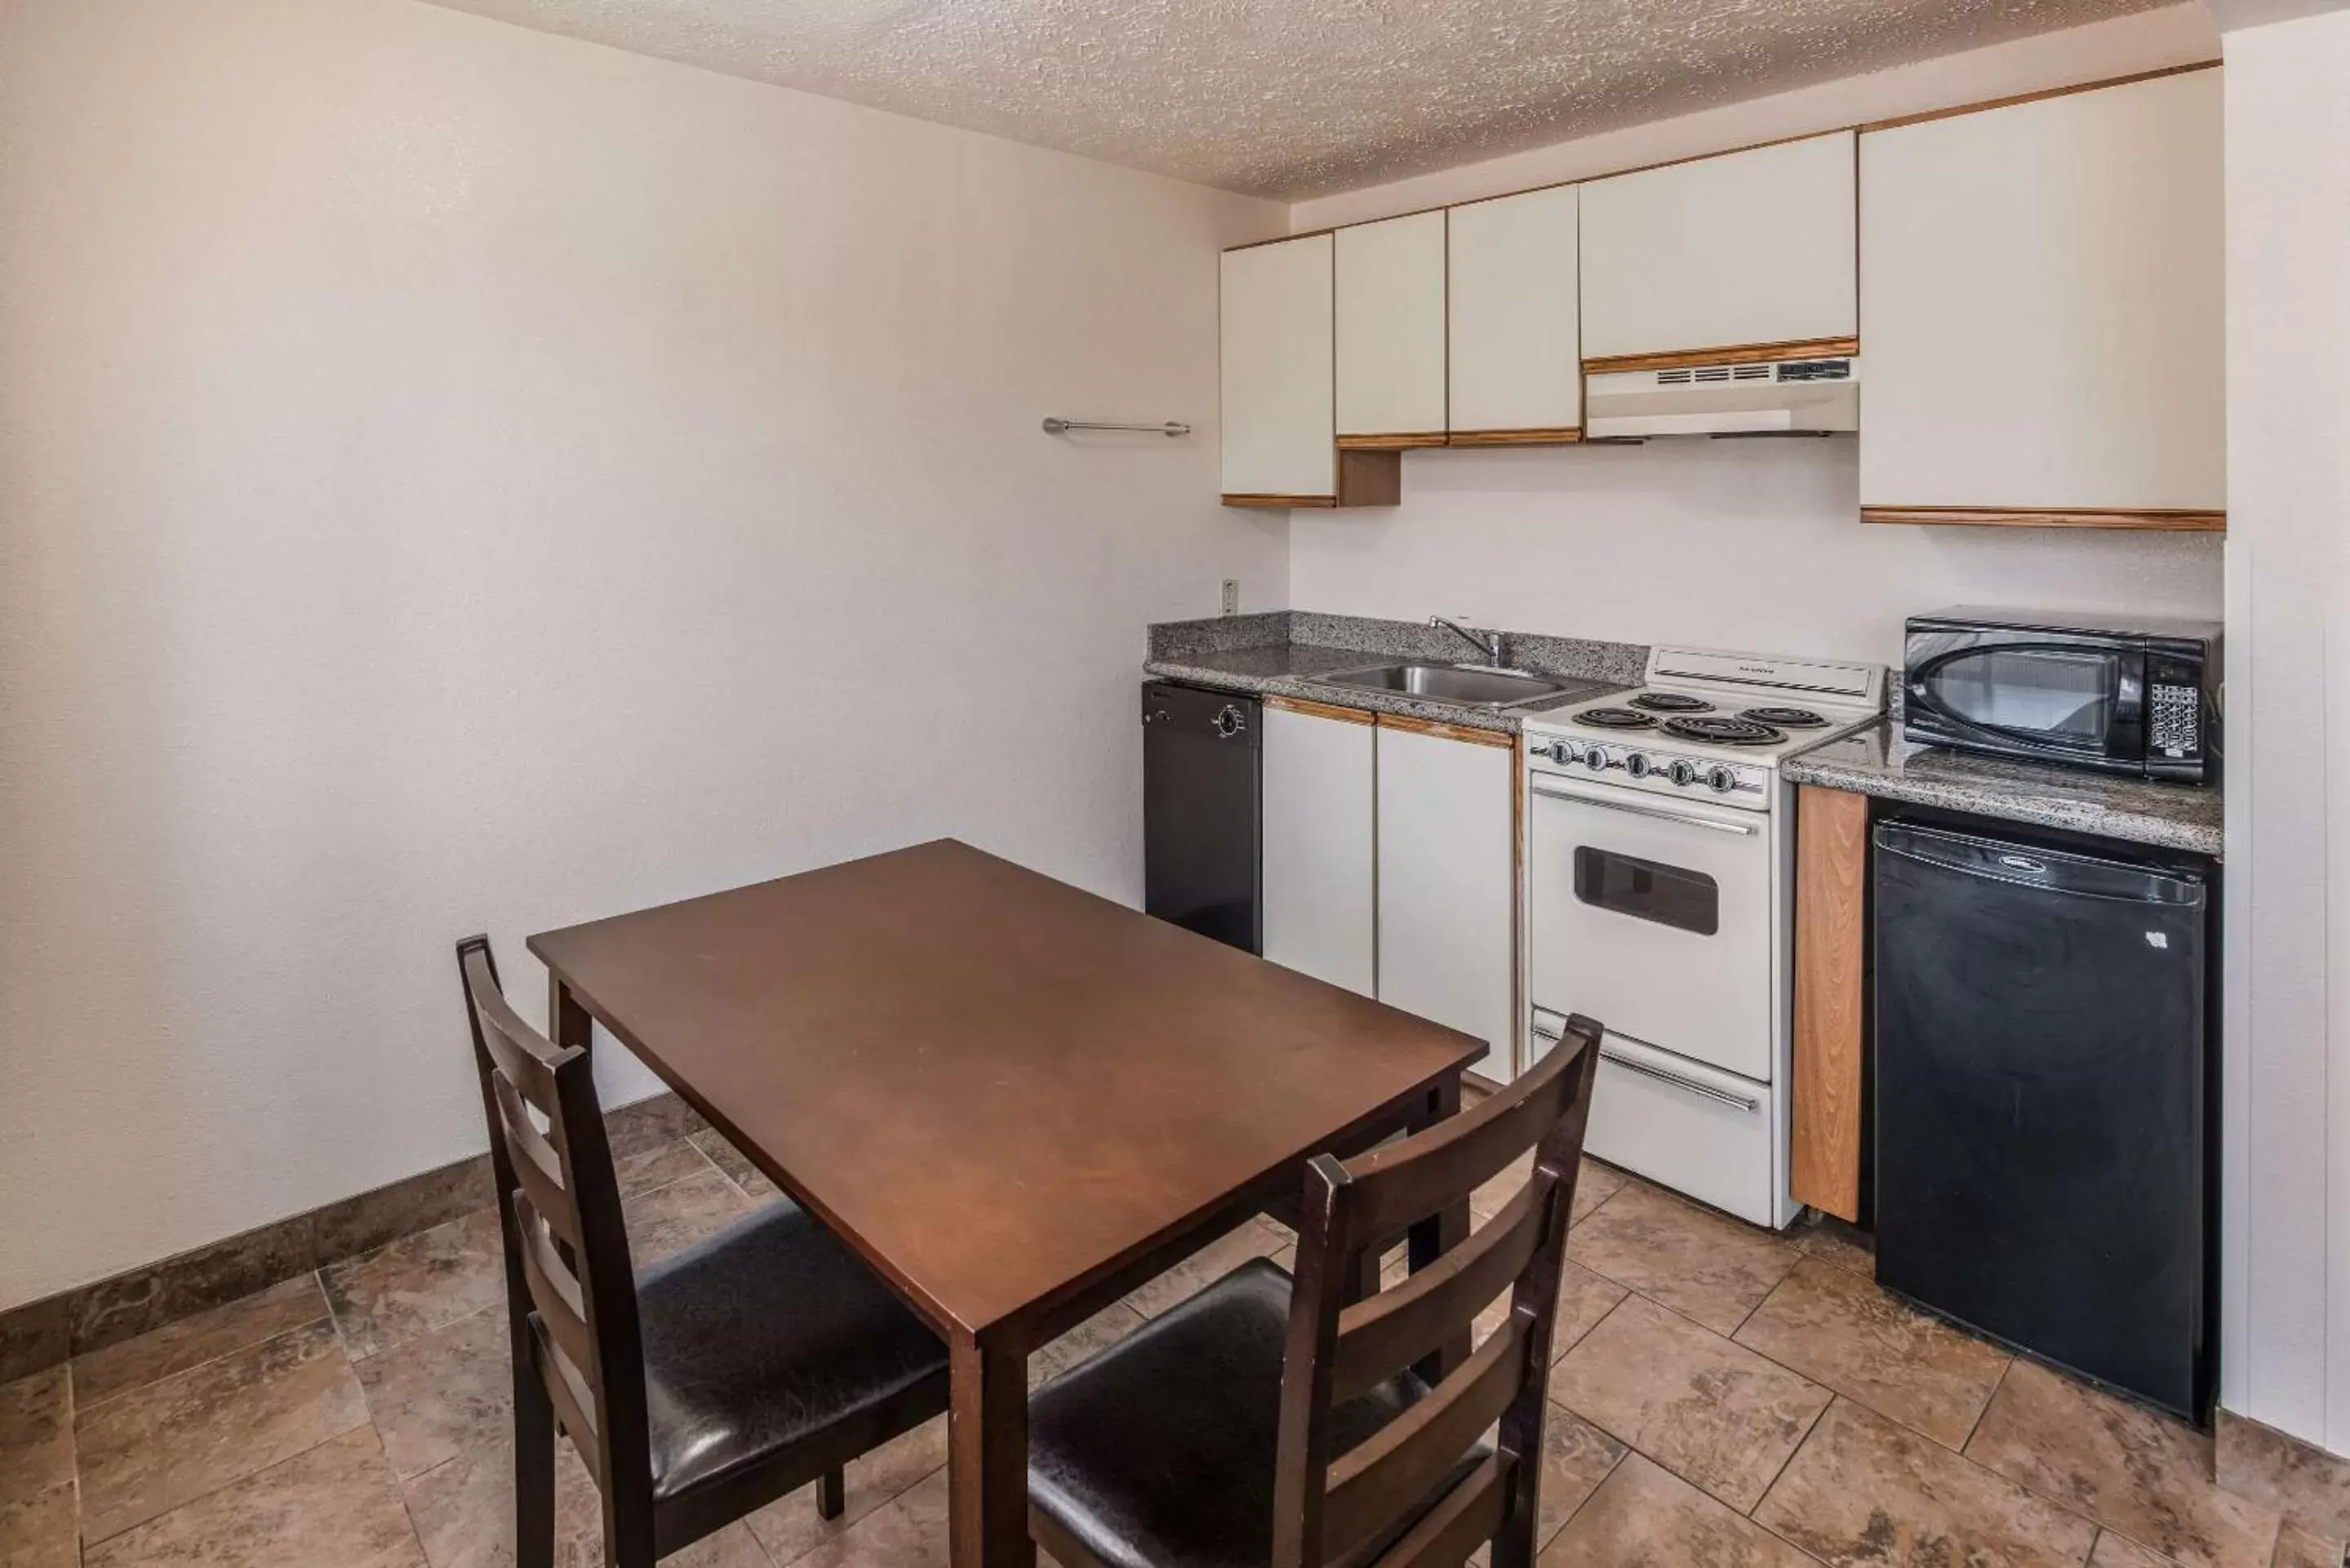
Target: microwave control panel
2177	713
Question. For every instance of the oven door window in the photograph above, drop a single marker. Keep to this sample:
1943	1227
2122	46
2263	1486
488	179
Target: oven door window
2050	695
1647	890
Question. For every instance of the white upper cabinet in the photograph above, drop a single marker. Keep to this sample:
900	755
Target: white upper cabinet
2041	299
1390	327
1277	416
1516	353
1743	251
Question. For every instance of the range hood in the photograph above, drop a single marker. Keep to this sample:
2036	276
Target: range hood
1785	397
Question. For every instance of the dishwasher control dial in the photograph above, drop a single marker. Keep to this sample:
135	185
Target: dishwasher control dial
1683	773
1720	779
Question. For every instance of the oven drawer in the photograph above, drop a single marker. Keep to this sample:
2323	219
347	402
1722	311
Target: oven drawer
1684	1126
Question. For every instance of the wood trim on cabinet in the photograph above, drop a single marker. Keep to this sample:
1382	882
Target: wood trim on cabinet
1734	354
1924	116
1260	500
1444	732
2172	521
1564	435
1312	709
1370	478
1831	953
1400	441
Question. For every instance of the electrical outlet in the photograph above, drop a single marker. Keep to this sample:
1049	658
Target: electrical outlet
1231	597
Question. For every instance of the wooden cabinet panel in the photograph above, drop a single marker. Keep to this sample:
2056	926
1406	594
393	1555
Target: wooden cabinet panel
1447	890
1510	295
1390	327
1276	406
1831	954
1750	248
2042	310
1321	843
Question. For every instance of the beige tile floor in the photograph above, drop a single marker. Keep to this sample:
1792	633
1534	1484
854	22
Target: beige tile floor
1721	1396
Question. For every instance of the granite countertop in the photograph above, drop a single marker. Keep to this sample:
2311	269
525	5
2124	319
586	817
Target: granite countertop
1280	653
1876	761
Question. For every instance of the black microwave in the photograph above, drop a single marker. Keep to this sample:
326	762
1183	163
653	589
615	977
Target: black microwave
2137	697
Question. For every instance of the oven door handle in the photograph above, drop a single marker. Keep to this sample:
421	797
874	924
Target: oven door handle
1742	1101
1743	829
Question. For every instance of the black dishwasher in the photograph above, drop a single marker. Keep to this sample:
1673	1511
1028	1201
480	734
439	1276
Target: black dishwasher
1202	807
2045	1103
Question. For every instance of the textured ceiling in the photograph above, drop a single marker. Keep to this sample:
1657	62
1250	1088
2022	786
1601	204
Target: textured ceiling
1292	99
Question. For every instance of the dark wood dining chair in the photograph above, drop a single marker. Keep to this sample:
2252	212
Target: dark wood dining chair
744	1367
1266	1423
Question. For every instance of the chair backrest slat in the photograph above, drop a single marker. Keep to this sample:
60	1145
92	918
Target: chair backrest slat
1401	1182
1332	1508
1379	1337
538	1169
1469	1515
571	1289
1410	1455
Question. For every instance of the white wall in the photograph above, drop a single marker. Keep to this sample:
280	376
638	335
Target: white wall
2287	1282
1753	544
452	478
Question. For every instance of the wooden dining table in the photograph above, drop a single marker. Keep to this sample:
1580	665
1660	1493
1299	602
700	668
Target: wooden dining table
1015	1100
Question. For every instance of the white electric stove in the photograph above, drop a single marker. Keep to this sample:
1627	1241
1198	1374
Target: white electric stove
1660	886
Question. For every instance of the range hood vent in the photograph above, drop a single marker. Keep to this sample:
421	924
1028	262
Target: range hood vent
1791	397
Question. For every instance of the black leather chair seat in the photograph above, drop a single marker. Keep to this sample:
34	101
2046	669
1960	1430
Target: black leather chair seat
762	1333
1158	1452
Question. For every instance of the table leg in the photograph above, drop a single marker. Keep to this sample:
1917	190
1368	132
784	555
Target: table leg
1441	1231
567	1023
987	1453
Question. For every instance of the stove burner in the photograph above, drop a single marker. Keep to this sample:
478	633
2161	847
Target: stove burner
1615	719
1785	718
1672	703
1724	731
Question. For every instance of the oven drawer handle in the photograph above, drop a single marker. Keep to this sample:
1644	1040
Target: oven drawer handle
1744	1104
1743	829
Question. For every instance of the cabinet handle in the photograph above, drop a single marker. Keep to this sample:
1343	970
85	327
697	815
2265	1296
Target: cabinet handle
1706	1090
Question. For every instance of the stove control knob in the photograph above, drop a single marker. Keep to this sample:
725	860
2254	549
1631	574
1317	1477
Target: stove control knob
1684	773
1637	764
1721	780
1595	760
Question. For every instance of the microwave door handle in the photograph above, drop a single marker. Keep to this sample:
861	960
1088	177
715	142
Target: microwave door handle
2126	741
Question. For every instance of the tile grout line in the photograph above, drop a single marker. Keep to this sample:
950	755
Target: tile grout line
326	1314
1776	1475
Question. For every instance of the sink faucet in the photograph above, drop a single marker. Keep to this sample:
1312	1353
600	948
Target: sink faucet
1490	645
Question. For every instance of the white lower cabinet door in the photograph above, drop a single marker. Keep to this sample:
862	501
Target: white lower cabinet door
1320	844
1446	886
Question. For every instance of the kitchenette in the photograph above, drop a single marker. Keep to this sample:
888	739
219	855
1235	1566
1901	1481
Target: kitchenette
1918	939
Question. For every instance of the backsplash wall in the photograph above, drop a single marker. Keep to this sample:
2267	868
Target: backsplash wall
1752	545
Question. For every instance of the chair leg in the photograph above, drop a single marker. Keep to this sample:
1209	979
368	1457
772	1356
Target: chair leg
831	1494
534	1452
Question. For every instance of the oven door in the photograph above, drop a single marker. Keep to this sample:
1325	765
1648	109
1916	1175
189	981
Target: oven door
1652	914
2080	700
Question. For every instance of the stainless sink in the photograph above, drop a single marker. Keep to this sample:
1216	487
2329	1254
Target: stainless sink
1472	686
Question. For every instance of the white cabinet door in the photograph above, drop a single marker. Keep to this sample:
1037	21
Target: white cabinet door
1745	250
1447	945
2041	294
1515	344
1277	429
1390	347
1321	845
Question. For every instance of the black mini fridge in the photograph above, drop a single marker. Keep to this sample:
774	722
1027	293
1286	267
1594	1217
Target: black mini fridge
2045	1101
